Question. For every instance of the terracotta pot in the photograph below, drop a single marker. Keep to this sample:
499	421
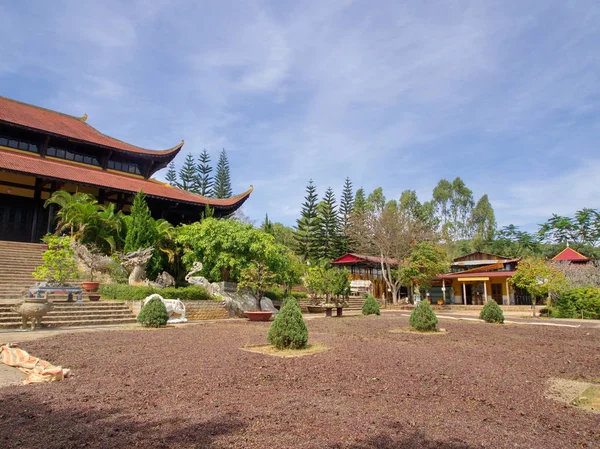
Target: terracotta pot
89	286
328	311
440	302
315	309
94	297
259	316
338	311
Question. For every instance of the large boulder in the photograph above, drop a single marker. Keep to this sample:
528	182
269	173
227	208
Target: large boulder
267	305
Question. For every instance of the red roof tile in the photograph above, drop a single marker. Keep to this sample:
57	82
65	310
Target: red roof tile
357	258
46	120
569	254
65	171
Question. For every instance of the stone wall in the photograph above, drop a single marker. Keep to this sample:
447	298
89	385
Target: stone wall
194	310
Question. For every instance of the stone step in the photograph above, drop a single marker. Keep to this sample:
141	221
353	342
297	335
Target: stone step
67	318
76	306
57	324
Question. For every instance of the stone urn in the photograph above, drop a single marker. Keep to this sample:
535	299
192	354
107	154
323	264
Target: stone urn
33	309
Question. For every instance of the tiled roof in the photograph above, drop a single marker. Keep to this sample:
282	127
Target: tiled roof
69	172
354	258
57	123
481	274
569	254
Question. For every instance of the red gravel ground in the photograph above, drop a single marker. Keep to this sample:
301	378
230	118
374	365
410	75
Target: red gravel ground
480	385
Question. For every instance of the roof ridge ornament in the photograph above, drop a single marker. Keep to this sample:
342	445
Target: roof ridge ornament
84	118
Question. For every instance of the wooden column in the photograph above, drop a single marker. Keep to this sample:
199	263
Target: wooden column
484	292
464	294
37	195
507	294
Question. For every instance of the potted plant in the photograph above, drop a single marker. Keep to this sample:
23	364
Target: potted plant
95	262
59	262
258	278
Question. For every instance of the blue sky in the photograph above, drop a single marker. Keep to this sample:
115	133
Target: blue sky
504	94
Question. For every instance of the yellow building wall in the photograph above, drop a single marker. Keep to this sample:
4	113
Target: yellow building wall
19	179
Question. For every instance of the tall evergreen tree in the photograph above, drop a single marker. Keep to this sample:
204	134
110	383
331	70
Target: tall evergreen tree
360	201
222	182
267	226
345	213
307	225
187	175
328	235
204	180
141	233
172	175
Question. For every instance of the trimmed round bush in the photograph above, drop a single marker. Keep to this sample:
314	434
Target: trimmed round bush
371	306
153	314
423	318
288	330
491	312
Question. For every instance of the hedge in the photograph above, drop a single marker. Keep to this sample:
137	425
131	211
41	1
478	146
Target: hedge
278	294
138	293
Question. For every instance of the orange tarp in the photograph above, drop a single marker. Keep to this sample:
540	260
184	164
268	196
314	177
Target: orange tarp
37	370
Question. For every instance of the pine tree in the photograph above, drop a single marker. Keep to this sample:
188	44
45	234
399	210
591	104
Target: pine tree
345	213
204	180
222	182
307	225
172	175
267	226
328	235
187	175
360	202
142	233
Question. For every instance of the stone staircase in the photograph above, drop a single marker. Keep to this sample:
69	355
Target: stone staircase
17	262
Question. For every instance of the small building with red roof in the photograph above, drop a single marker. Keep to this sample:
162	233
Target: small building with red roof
570	255
42	151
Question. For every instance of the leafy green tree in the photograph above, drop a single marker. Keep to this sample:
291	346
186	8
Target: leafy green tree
226	247
288	330
328	233
59	261
307	225
222	181
583	227
360	202
258	278
345	214
171	176
461	209
376	200
204	179
581	302
442	201
426	261
483	222
284	235
187	175
539	278
512	242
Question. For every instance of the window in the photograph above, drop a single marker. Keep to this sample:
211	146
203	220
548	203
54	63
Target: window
71	156
124	166
3	141
18	144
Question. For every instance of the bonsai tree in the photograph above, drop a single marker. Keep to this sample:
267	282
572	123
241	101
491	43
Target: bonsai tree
288	330
539	278
153	314
59	261
92	258
258	278
371	306
423	318
491	312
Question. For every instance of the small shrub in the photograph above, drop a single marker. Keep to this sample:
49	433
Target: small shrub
583	302
491	312
288	330
278	294
371	306
423	318
153	314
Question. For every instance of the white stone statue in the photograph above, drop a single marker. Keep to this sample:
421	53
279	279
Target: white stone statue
173	306
136	262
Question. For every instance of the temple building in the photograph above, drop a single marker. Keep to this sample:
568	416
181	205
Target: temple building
42	151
